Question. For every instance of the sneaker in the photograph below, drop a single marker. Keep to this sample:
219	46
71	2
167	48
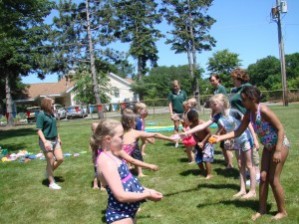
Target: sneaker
54	186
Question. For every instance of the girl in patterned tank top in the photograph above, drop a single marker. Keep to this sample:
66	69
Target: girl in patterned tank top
276	148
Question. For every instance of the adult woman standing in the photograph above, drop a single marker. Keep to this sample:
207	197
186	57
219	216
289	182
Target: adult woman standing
219	88
216	83
240	80
175	104
49	140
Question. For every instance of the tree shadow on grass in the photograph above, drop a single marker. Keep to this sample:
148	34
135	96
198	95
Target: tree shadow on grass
252	204
228	172
12	133
220	161
58	179
194	172
13	147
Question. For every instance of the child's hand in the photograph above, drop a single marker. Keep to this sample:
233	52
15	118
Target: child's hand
154	195
175	117
153	167
277	156
213	139
200	144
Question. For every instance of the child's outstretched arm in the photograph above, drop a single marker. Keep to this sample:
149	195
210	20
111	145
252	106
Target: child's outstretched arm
136	162
233	134
143	134
197	128
255	140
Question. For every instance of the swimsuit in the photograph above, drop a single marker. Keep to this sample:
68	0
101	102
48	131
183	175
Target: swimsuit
120	210
266	132
129	148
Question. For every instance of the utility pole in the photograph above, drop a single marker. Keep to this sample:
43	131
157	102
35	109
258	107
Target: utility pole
281	7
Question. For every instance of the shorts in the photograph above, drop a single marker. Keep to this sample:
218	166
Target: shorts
205	155
243	146
255	157
228	144
54	143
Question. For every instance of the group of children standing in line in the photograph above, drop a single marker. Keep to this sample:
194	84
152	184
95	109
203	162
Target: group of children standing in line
113	142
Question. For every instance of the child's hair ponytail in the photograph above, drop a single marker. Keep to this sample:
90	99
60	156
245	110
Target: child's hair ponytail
105	127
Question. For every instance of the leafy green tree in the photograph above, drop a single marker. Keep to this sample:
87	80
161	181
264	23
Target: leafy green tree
292	66
23	37
191	25
222	63
265	73
136	21
159	81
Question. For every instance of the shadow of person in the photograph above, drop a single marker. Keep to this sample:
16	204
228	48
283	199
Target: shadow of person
57	179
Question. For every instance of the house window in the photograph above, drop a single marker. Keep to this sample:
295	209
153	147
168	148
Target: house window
115	92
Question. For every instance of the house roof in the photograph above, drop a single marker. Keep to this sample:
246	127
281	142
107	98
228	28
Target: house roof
53	89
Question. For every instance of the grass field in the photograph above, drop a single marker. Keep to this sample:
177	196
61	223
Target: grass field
188	198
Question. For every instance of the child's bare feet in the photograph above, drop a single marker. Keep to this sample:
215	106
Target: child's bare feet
239	194
256	216
249	195
141	175
279	216
209	177
95	187
102	189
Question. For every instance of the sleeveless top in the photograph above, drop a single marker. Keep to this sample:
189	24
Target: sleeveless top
129	148
231	122
116	209
266	132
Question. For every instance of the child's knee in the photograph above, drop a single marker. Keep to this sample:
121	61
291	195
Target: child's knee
263	176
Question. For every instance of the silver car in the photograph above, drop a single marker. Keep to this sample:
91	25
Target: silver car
59	111
75	111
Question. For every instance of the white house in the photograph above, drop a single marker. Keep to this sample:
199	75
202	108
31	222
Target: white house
63	91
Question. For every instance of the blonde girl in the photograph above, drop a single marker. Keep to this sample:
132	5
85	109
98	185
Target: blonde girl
125	193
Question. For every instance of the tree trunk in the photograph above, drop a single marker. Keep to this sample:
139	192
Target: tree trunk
8	103
96	88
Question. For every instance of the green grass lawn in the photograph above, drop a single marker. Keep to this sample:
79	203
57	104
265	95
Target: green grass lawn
188	198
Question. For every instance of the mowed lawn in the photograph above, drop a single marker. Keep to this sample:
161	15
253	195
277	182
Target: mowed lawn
188	198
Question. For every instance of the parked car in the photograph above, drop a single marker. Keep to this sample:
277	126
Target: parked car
59	111
32	113
76	111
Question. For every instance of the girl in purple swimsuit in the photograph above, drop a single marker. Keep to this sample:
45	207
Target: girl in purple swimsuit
276	148
125	192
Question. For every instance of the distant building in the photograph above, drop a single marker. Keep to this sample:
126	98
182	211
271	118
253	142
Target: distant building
63	91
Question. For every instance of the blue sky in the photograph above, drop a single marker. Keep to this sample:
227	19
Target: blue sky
243	27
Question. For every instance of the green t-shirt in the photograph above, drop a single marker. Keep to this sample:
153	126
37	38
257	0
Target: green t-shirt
177	100
235	99
47	123
220	89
